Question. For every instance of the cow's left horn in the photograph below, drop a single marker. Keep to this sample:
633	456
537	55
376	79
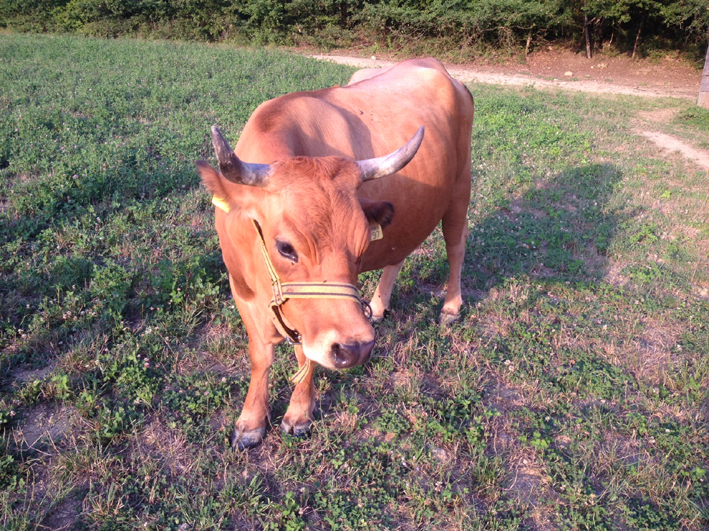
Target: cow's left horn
234	169
388	164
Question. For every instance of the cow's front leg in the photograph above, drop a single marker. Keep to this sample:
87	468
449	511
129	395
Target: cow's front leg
299	416
251	426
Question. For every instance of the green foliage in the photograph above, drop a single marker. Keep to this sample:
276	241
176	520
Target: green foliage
190	402
505	23
110	285
111	423
30	15
287	515
393	422
365	504
6	462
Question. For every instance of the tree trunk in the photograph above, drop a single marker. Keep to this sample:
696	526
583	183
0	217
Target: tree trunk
529	42
703	100
637	38
598	26
587	32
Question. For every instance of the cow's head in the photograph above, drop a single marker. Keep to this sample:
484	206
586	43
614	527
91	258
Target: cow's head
315	230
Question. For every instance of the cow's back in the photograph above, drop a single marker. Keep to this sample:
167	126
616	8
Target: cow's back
410	94
370	118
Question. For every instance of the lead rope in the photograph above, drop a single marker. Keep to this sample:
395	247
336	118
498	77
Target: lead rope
299	376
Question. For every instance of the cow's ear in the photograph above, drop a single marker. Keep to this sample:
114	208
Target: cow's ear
213	183
381	212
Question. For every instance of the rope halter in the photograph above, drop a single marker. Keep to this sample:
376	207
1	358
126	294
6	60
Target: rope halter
282	291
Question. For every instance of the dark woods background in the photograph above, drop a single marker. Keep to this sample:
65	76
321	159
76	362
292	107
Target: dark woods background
636	27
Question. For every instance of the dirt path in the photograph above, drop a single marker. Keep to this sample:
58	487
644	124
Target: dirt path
681	84
668	143
638	85
671	143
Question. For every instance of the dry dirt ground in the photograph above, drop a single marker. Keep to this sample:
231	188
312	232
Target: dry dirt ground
664	78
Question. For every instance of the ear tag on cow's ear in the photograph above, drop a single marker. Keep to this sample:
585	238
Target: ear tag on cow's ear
375	232
220	203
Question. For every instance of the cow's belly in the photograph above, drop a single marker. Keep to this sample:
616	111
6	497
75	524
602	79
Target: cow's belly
417	211
389	251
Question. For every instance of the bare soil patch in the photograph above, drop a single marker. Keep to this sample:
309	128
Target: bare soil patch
27	375
672	144
64	516
526	481
44	422
668	75
604	74
660	116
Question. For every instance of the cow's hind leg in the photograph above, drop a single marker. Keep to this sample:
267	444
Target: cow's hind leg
299	416
455	234
382	295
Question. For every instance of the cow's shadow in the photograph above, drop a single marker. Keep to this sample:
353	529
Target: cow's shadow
557	231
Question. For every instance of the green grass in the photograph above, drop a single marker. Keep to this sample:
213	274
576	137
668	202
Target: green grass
572	394
696	117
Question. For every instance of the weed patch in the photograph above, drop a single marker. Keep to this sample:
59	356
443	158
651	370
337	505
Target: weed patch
697	118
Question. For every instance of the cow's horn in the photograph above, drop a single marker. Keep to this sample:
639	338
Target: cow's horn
234	169
388	164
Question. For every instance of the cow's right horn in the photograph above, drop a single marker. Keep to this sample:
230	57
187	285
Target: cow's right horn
388	164
234	169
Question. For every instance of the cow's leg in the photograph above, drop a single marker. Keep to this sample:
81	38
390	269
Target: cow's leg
299	416
382	295
455	234
251	425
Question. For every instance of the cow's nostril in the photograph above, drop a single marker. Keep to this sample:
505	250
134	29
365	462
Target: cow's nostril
343	355
347	355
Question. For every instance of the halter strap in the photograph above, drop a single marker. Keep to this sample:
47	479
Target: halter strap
282	291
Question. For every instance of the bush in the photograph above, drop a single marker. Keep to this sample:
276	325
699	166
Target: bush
507	23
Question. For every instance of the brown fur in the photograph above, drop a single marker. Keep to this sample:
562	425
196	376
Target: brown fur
316	202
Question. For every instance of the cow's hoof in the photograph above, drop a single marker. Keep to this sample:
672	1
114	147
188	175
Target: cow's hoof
448	318
296	430
241	440
380	318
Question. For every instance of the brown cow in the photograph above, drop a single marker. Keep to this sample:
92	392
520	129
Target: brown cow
294	218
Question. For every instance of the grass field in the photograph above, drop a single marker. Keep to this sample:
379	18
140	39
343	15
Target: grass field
572	393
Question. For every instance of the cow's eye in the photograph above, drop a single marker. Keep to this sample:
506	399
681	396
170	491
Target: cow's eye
286	250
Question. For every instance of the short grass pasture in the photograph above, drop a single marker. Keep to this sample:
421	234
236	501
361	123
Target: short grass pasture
572	393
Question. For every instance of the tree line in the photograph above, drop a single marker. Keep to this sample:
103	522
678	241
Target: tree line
632	26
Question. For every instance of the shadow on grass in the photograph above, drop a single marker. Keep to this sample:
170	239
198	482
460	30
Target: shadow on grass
557	231
106	249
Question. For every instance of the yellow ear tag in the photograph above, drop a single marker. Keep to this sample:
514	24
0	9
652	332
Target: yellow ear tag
220	203
299	376
375	232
